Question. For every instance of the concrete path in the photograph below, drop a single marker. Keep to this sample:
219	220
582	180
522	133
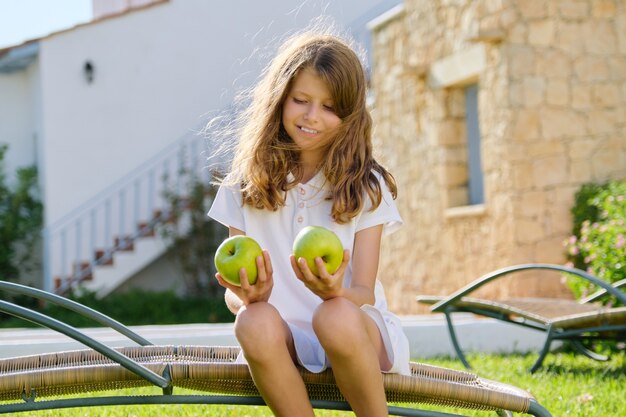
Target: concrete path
428	336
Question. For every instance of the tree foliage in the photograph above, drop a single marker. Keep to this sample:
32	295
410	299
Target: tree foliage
21	219
598	240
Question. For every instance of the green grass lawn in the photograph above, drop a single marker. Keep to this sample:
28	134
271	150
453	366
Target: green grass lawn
568	385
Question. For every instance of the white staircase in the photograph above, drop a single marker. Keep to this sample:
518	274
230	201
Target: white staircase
107	277
117	233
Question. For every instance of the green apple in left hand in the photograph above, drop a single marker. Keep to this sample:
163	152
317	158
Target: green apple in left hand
235	253
317	241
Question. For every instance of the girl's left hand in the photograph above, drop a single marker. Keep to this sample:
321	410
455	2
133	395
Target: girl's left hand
326	286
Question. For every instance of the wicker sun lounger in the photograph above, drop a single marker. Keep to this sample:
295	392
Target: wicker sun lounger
572	321
25	382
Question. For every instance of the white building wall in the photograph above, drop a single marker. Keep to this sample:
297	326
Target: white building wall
158	73
18	117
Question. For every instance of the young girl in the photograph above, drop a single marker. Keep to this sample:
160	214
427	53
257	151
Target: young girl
305	158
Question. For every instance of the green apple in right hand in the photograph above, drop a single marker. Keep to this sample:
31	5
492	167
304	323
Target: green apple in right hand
235	253
317	241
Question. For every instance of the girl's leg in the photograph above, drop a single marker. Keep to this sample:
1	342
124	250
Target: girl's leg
268	346
356	351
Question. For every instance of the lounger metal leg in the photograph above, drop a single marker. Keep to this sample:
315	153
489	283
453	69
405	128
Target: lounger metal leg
544	351
538	410
588	352
504	413
455	342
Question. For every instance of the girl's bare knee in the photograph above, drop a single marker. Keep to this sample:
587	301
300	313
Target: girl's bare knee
259	328
337	321
255	321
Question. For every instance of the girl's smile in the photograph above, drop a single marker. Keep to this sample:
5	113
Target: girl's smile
309	131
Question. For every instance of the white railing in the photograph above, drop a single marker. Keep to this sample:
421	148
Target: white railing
111	220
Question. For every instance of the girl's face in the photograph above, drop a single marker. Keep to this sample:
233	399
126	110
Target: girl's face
308	113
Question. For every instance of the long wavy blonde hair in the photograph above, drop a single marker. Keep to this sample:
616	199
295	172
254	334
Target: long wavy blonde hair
265	154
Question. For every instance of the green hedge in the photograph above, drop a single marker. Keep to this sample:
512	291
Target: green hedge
135	307
598	240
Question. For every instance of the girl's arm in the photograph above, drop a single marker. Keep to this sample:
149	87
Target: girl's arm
237	297
365	258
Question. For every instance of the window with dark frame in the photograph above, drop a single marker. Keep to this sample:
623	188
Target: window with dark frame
475	172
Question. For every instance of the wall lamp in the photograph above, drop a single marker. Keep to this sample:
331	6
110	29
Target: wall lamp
88	71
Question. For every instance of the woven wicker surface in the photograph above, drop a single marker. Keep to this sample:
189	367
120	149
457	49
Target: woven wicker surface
214	369
564	314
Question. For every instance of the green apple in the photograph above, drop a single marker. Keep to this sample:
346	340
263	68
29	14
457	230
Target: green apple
235	253
317	241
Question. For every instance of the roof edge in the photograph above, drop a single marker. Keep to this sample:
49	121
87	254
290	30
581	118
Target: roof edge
19	57
387	16
128	10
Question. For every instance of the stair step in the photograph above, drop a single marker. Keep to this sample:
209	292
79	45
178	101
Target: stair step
124	243
145	230
83	269
102	257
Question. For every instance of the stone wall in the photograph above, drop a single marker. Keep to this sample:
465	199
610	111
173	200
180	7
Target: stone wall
552	114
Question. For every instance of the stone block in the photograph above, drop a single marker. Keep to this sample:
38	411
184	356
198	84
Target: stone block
522	253
541	33
560	221
581	96
605	163
580	170
603	8
532	9
550	250
620	116
569	38
455	103
574	9
544	148
550	171
554	64
557	123
528	231
564	195
453	175
617	68
522	175
557	93
451	132
620	27
531	204
605	95
581	148
599	37
457	197
522	60
456	155
507	18
518	33
525	125
516	94
534	91
602	121
591	69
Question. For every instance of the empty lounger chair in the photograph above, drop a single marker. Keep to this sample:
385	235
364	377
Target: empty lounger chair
567	320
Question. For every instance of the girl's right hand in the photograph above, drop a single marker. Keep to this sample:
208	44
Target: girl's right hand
260	290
